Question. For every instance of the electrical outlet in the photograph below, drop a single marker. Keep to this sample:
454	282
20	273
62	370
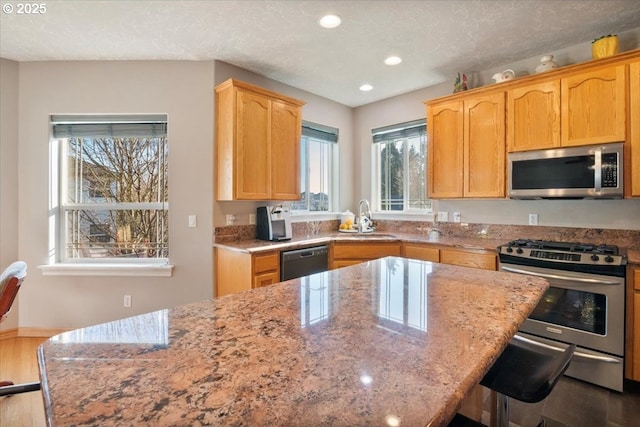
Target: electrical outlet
230	219
252	219
456	217
193	221
443	216
127	301
533	219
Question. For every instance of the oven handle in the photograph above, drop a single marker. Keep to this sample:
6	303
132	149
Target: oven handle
559	277
575	354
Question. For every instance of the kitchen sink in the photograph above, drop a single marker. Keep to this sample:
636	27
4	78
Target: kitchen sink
368	235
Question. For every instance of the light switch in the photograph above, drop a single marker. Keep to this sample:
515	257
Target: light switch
193	221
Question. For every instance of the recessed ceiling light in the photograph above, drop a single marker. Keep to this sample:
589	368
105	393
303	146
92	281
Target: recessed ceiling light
366	87
330	21
393	60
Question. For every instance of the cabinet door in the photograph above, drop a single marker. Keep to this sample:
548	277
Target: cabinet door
421	252
266	279
269	261
232	270
484	146
487	261
594	107
533	116
633	144
286	126
635	362
445	131
253	151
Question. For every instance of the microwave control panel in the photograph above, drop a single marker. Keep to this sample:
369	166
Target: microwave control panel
609	170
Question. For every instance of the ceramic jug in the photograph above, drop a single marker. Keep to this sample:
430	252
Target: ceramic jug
503	76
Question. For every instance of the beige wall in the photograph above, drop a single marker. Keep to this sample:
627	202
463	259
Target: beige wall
318	110
184	91
612	214
32	91
9	188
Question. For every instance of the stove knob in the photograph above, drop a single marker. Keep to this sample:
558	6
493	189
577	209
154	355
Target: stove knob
519	250
595	257
609	258
509	249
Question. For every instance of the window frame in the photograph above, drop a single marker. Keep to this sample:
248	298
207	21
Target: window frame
59	262
320	134
394	133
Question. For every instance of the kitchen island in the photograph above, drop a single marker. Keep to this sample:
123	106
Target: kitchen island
387	342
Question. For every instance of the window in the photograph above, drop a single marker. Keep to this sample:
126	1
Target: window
316	152
110	192
400	172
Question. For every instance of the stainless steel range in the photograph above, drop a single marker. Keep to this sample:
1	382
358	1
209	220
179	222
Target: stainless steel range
584	304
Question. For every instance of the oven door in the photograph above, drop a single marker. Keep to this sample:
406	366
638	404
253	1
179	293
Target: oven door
578	308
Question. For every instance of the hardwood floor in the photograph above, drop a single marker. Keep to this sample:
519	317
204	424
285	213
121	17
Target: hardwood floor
572	403
19	363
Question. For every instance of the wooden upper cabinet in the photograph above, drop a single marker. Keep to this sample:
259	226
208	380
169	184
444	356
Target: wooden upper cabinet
445	126
253	148
467	147
533	116
594	106
257	143
632	148
484	146
285	151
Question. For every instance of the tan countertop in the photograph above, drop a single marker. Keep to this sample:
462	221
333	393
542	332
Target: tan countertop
353	346
255	245
628	246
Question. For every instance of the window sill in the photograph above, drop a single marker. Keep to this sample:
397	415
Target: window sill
404	216
111	270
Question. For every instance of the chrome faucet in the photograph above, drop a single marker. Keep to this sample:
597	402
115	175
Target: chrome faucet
367	216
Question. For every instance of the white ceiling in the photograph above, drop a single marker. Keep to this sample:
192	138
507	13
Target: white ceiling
281	39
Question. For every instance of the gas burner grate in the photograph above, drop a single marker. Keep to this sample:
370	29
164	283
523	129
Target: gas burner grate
565	246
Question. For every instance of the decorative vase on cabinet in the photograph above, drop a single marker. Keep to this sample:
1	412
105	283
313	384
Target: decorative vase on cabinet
604	46
546	63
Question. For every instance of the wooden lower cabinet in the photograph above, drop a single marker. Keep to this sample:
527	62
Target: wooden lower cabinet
343	254
423	252
266	269
487	260
476	258
632	356
240	271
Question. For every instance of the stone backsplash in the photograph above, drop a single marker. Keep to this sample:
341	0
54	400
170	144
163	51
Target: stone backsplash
621	238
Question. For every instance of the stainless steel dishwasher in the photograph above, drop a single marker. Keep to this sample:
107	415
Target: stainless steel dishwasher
302	262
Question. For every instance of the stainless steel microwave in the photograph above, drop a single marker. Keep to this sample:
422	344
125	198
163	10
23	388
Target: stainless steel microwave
587	172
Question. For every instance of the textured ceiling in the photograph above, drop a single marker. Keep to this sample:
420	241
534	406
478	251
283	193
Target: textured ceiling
281	39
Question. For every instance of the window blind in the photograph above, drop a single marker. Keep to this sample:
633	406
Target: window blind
67	126
321	132
410	129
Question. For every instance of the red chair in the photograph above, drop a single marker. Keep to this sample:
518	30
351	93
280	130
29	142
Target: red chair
10	282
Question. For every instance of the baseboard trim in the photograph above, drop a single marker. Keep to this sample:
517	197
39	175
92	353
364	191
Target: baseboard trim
30	332
8	334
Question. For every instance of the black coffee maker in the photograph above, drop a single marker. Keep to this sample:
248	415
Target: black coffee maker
273	223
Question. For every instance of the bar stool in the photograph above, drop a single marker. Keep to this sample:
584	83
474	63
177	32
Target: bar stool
524	373
10	281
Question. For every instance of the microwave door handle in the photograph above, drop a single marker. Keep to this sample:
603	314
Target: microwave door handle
597	176
560	277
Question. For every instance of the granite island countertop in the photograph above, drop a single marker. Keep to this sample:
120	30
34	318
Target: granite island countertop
383	341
